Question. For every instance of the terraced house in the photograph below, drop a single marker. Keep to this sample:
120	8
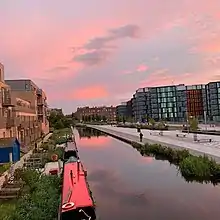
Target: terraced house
22	110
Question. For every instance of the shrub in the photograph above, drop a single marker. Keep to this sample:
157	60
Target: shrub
42	201
191	167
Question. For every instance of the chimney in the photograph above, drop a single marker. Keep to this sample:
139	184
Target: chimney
2	77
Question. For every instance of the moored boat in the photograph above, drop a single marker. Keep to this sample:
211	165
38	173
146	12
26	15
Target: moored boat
76	200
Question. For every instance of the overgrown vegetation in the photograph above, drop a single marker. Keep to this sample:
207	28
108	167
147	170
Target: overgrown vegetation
6	209
4	167
191	167
60	136
39	201
58	120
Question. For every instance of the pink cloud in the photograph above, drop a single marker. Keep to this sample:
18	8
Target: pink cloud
142	68
164	77
89	93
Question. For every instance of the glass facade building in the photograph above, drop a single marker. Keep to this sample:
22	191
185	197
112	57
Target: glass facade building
177	102
213	101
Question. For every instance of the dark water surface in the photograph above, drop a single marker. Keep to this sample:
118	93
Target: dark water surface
128	186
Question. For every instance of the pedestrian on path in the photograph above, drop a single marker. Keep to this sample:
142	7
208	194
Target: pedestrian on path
141	136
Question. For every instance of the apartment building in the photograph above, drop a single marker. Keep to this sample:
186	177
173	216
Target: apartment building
17	117
27	90
24	118
121	110
213	101
108	112
42	111
124	110
177	102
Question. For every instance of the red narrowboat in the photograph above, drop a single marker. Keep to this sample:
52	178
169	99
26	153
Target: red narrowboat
77	202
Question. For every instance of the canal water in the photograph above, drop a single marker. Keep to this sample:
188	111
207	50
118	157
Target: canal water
128	186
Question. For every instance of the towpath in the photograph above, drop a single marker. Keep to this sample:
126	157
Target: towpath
169	139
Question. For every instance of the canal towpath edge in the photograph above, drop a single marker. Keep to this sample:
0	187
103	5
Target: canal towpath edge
129	138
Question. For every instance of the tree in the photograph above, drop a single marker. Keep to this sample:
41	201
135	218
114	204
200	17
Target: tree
193	123
59	121
89	118
93	118
124	119
151	121
83	118
104	118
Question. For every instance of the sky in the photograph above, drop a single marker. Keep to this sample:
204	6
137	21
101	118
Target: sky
99	52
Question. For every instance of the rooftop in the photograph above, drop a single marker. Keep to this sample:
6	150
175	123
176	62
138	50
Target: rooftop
7	142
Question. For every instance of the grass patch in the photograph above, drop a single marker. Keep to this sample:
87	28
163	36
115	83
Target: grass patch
191	167
4	167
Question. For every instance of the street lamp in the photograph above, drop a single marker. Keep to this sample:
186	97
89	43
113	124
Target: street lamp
205	117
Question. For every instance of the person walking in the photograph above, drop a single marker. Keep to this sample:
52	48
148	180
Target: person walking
141	136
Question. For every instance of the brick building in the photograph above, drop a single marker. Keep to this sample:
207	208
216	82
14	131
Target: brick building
26	89
18	110
108	112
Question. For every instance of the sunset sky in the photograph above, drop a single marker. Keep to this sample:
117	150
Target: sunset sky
98	52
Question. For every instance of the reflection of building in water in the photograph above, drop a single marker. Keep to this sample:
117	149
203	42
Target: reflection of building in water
89	132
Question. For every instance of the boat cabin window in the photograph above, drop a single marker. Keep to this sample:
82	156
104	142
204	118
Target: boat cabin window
69	154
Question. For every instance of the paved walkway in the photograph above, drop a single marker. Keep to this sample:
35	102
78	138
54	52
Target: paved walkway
169	139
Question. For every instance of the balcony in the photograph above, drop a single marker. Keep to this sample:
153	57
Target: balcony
40	112
6	100
10	122
40	102
39	92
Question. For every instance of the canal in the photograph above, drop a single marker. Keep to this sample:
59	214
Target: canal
128	186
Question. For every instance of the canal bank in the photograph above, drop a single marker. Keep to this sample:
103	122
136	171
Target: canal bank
127	185
131	136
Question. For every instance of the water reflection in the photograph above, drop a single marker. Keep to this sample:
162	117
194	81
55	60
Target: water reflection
88	133
127	186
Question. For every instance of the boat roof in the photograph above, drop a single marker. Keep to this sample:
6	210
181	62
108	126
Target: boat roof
75	188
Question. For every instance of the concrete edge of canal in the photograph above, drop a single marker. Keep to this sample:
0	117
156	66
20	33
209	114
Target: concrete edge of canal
129	139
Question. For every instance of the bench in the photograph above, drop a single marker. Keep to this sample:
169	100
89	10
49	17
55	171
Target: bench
160	133
181	135
204	140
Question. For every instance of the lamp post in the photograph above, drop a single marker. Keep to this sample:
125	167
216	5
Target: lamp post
205	117
187	122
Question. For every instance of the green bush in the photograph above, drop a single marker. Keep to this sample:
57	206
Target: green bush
5	210
42	201
191	167
160	126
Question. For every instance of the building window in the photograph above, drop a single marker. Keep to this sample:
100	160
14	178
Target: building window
3	134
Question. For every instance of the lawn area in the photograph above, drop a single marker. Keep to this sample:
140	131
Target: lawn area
4	167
